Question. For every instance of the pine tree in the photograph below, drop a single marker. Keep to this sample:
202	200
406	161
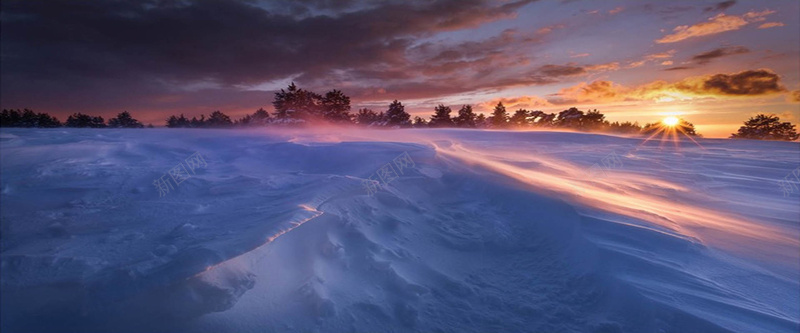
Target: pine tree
124	120
520	118
570	118
396	115
83	120
766	127
219	119
499	116
336	107
260	117
27	118
197	123
441	117
10	118
419	122
367	117
296	103
466	118
593	120
182	121
481	121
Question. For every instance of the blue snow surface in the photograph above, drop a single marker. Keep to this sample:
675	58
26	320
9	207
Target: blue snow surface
351	230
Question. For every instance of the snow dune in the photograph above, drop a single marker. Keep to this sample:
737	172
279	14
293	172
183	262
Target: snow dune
487	231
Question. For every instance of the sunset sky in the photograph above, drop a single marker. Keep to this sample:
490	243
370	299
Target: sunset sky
713	63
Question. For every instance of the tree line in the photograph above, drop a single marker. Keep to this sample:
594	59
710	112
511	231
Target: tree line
296	106
28	118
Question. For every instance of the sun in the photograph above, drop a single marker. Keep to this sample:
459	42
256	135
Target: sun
670	121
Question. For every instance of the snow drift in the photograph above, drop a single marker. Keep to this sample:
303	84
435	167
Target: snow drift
484	231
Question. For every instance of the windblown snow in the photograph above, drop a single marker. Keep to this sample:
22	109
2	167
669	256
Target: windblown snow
342	230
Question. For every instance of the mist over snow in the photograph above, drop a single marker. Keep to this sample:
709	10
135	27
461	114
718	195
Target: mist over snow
424	230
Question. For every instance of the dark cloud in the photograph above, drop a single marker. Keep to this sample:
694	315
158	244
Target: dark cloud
558	70
746	83
706	57
678	68
72	48
720	6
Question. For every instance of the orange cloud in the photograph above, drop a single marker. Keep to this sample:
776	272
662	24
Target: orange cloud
794	96
714	25
616	10
524	102
749	83
611	66
662	55
548	29
636	64
771	25
651	58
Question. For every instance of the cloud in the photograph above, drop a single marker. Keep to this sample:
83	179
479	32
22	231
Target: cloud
720	6
616	10
666	63
794	96
636	64
750	83
579	55
678	68
559	70
611	66
746	83
548	29
596	91
717	24
771	25
662	55
706	57
512	104
654	57
571	69
152	46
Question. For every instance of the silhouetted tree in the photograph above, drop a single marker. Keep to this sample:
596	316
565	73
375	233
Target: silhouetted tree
441	117
466	118
296	103
570	118
47	121
625	128
396	115
367	117
481	121
686	127
124	120
336	107
546	120
218	119
83	120
766	127
519	118
593	120
10	118
27	118
419	122
258	118
499	116
181	121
